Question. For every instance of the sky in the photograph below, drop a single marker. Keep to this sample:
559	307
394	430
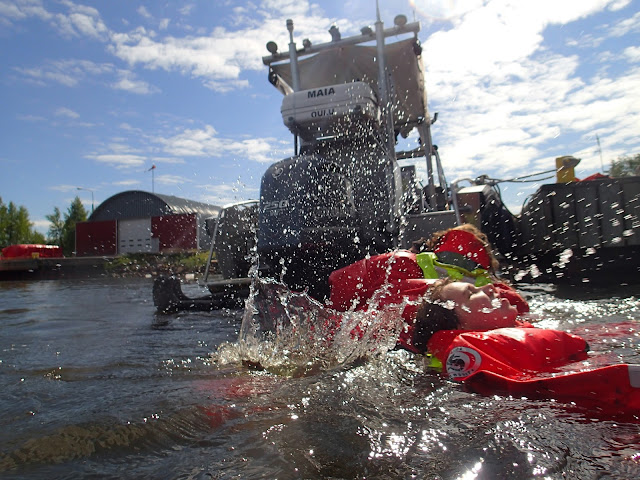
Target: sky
94	94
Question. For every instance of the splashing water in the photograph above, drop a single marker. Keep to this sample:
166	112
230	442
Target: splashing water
289	333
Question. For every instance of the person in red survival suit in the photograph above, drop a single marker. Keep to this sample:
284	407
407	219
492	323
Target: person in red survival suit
459	306
397	277
469	334
463	253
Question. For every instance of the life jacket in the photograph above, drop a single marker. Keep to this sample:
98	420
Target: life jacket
433	268
536	363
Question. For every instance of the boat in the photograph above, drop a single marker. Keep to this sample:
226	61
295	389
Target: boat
580	232
342	194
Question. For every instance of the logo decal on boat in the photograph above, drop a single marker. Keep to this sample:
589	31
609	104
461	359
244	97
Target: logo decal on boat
321	92
323	113
462	362
275	207
277	171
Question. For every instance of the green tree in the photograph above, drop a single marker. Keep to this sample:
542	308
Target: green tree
15	226
74	214
56	230
4	224
625	166
19	225
37	237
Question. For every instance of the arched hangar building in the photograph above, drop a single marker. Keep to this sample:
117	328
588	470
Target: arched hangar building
136	221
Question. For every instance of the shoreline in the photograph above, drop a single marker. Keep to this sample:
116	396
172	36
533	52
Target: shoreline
118	266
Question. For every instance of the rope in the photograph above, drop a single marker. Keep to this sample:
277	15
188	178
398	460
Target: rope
494	181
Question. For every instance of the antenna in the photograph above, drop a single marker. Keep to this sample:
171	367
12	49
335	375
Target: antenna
600	152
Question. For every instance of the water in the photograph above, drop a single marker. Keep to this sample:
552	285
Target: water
95	384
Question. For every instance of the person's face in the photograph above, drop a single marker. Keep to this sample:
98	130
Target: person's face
478	308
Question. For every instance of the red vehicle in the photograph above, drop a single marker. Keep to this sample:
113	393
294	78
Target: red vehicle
31	251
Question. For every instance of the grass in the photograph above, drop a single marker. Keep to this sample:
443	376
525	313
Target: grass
148	263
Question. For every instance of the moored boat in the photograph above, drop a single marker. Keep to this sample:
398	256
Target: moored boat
343	195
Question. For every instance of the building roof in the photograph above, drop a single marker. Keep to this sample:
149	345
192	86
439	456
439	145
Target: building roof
140	204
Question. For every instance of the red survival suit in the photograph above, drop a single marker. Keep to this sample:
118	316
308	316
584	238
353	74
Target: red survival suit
355	285
536	363
526	361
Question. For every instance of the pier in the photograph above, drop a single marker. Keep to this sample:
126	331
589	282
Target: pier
52	268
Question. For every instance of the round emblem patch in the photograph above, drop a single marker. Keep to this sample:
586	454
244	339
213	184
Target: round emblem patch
462	362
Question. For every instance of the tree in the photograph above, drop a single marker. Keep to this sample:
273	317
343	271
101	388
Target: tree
56	230
74	214
4	224
625	166
37	237
15	226
20	227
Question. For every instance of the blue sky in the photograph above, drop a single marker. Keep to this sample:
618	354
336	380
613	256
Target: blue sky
93	94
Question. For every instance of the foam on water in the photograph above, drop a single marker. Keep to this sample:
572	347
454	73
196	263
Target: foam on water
290	333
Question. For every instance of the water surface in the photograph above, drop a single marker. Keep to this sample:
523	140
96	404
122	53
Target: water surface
95	384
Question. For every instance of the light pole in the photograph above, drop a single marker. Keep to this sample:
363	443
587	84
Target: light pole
88	190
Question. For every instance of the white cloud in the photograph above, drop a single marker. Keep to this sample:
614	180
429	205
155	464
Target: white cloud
80	21
218	58
441	10
40	76
224	86
285	8
23	9
127	183
129	83
224	194
172	180
193	143
88	26
186	9
64	72
626	26
142	10
502	108
64	188
619	5
119	161
71	73
221	57
76	21
207	142
66	112
499	33
42	225
632	54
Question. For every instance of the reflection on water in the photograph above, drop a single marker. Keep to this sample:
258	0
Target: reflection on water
96	384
